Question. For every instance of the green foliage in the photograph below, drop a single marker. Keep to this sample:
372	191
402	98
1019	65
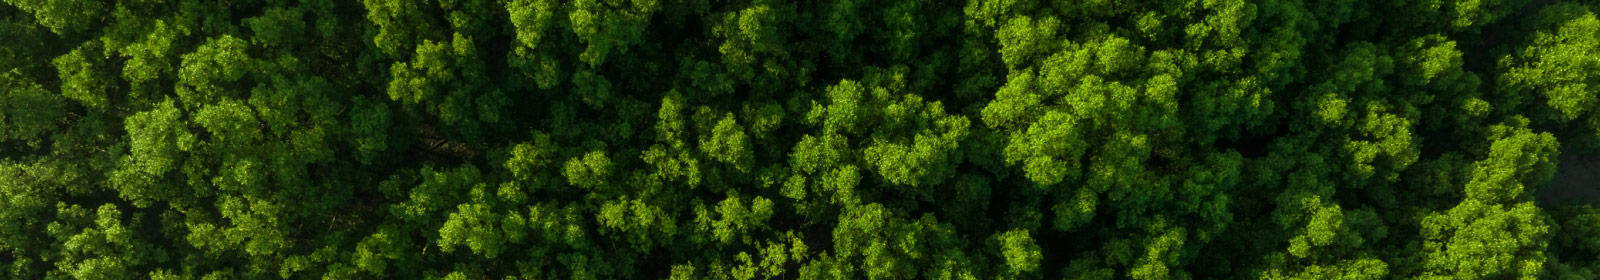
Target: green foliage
1552	67
766	139
156	140
29	111
1020	252
589	171
206	74
728	144
63	17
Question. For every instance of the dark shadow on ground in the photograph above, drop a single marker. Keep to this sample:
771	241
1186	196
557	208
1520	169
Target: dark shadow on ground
1577	180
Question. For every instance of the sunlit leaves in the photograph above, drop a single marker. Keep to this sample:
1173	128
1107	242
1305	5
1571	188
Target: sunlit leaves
156	139
1021	38
97	245
1495	231
206	73
1049	149
728	144
1516	164
397	23
82	75
472	226
64	17
151	58
930	155
1476	240
834	139
531	18
1019	250
589	171
1558	61
609	27
735	218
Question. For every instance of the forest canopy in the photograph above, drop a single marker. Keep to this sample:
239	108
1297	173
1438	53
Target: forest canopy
777	139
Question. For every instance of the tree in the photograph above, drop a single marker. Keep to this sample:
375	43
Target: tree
1553	66
80	75
157	140
1496	231
29	110
63	17
770	139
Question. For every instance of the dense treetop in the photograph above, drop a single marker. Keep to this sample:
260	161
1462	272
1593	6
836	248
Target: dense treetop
777	139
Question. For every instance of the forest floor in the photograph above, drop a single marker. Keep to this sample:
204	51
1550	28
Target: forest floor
1577	180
